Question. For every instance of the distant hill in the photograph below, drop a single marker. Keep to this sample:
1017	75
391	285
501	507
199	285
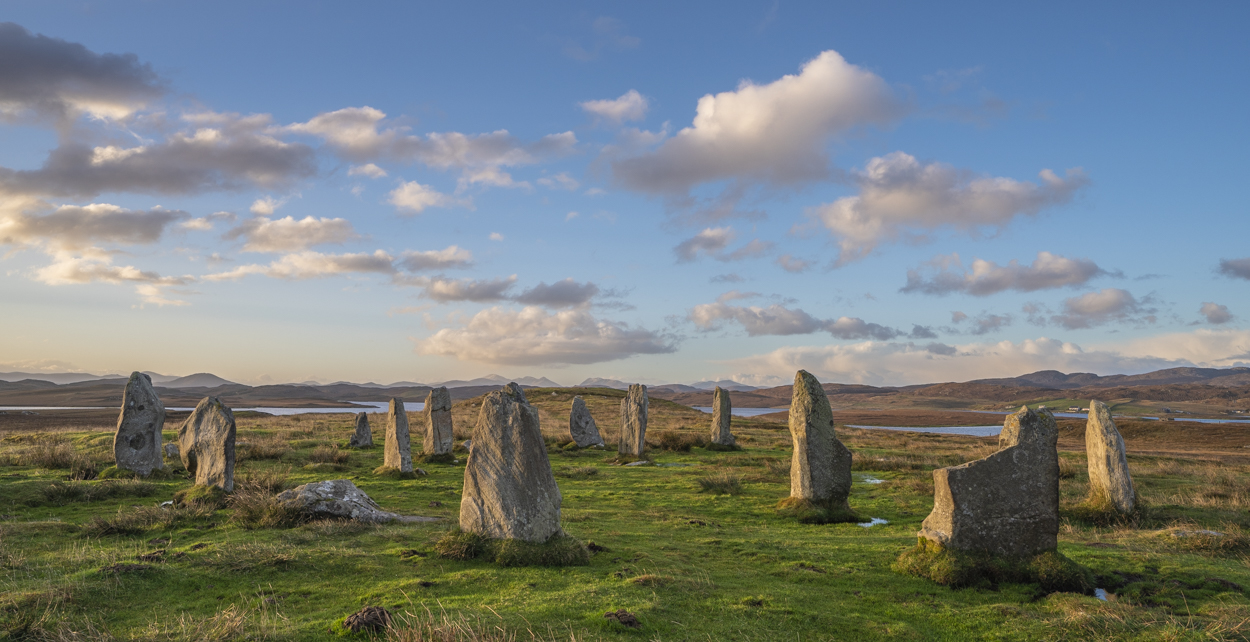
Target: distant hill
56	377
596	382
1060	381
198	380
727	384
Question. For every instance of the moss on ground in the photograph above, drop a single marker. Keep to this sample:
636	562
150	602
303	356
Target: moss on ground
1050	570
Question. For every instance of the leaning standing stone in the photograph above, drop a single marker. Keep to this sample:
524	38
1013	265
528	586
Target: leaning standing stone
634	421
439	438
509	489
398	453
1007	503
363	437
721	414
1108	466
137	445
820	468
206	444
582	426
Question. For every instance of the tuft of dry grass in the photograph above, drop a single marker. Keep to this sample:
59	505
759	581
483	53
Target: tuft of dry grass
674	441
329	455
267	447
724	483
427	627
270	480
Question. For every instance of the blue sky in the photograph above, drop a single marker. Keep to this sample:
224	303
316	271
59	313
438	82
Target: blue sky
886	194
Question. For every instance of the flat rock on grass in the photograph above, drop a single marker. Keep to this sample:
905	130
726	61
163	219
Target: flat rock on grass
137	444
510	491
337	498
206	444
1007	503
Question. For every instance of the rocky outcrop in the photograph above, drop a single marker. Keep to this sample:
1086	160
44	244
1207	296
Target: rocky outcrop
439	438
336	498
1007	503
582	426
363	436
137	444
722	411
820	467
398	454
206	444
509	489
634	421
1109	478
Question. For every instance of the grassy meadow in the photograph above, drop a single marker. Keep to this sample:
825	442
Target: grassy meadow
694	546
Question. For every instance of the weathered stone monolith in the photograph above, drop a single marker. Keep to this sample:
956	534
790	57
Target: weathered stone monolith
1007	503
137	445
1108	467
634	421
582	426
398	454
206	444
439	439
820	468
363	437
509	489
722	412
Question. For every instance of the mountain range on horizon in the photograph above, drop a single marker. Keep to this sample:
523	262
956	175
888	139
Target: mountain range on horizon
1234	376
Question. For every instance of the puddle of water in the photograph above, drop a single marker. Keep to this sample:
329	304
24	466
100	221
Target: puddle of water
1101	594
872	480
873	522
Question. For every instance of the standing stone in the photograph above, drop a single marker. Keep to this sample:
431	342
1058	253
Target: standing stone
634	421
1108	467
509	489
398	453
439	439
363	437
1007	503
206	444
820	469
721	414
582	426
137	445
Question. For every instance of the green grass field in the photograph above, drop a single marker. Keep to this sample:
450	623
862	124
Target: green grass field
694	547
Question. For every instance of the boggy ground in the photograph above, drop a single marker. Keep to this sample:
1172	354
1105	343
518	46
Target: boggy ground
693	547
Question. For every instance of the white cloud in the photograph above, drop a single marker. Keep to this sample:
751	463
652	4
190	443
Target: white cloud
793	264
1236	268
267	205
496	236
1048	271
532	336
311	265
778	320
984	323
474	290
714	242
62	80
415	197
74	226
892	363
561	294
76	269
448	257
560	181
629	106
902	199
290	235
368	169
157	295
1104	306
1215	313
775	133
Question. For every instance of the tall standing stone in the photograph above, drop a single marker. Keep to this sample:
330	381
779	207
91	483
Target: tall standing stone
1007	503
137	445
439	438
1108	466
722	412
582	427
820	468
363	437
509	489
398	453
634	421
206	444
